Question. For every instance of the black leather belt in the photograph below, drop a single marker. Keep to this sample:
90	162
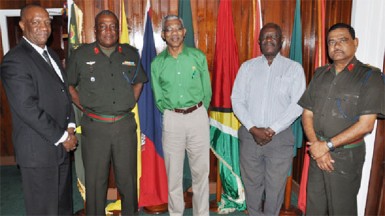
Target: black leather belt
189	110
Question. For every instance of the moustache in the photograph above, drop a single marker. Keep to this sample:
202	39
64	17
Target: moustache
338	51
269	44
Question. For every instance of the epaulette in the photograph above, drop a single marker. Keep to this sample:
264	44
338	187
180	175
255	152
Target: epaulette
128	46
325	67
371	67
83	46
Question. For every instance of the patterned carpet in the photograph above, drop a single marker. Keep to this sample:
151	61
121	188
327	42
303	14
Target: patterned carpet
12	202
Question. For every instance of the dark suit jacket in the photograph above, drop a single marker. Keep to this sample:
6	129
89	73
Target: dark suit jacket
40	104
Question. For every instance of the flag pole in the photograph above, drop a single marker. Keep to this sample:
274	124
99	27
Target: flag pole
287	208
218	187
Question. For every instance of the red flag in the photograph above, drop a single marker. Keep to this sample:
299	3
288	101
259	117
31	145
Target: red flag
303	185
226	62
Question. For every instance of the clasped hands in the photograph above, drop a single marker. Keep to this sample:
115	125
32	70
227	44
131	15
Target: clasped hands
319	151
262	136
71	142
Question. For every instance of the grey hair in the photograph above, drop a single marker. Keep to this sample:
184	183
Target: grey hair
171	17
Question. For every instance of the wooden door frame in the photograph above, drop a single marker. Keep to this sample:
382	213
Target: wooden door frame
4	14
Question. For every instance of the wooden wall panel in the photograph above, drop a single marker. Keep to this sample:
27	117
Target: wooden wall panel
17	4
282	13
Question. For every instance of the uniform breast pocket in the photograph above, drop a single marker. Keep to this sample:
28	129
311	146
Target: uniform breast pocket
128	73
346	106
89	81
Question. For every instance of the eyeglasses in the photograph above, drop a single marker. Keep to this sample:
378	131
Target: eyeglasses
341	41
271	36
103	27
172	29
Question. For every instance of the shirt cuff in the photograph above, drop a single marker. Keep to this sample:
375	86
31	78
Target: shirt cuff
71	125
276	128
248	126
62	139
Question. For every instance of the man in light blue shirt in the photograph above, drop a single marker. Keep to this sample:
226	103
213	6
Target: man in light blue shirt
264	97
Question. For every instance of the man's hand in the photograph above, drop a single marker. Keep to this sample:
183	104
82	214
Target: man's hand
325	162
71	142
262	136
75	97
317	149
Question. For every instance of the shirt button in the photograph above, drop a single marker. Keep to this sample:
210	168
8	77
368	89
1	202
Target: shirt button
181	96
113	89
180	84
112	74
178	73
113	102
68	118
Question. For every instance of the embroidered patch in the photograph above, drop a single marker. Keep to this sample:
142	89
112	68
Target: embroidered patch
96	50
350	67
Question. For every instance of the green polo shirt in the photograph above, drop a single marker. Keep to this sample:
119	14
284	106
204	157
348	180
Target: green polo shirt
338	100
105	83
180	82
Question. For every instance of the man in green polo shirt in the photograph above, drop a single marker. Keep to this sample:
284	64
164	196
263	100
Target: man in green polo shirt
182	91
109	79
340	105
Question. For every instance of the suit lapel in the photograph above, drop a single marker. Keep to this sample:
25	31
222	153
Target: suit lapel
41	63
58	63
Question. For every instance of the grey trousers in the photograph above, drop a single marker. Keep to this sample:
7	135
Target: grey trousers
264	169
188	132
335	193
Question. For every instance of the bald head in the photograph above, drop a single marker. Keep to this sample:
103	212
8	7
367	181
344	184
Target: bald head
35	24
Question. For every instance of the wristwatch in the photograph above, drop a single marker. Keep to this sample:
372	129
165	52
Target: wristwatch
330	145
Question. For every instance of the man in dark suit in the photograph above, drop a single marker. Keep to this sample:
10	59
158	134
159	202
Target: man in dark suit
42	116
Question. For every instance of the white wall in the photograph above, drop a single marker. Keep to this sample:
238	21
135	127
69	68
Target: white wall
368	19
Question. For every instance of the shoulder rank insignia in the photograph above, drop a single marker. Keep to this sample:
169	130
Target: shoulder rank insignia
351	67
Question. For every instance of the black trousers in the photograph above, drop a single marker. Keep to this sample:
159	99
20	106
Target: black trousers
335	193
103	143
47	190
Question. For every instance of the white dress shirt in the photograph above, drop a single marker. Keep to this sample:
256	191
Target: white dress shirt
266	95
